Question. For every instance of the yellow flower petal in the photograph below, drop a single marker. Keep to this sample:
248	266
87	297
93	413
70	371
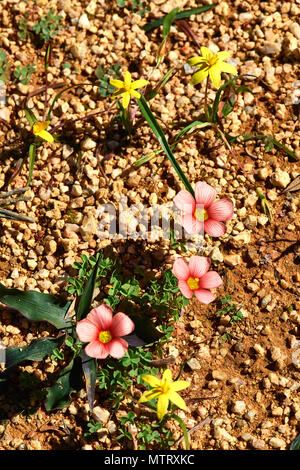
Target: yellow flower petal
196	60
215	76
162	405
125	99
199	76
227	68
167	375
46	136
179	385
139	84
127	78
116	83
40	126
223	55
150	395
151	380
177	400
206	53
135	93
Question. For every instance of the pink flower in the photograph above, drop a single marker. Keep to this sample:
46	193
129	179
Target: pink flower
194	278
203	212
103	332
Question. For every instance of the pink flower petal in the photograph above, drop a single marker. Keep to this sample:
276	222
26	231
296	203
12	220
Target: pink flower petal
221	210
86	331
101	316
185	202
214	228
121	325
97	350
181	269
185	290
204	194
198	265
117	347
210	280
204	296
191	225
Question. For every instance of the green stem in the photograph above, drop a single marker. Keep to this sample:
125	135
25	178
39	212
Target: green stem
205	100
185	433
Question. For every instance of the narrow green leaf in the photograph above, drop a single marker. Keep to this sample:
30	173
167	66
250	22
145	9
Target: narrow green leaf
189	127
59	95
37	306
179	16
155	127
162	83
30	116
168	21
214	112
84	305
36	351
68	381
296	443
32	154
285	149
89	367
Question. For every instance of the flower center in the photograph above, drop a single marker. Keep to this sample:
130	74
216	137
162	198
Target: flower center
193	283
212	61
165	387
201	215
127	87
105	337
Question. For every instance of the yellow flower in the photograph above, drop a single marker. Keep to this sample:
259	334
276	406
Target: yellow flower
127	88
212	65
39	129
164	390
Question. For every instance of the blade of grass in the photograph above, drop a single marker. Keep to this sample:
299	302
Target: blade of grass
156	129
182	14
32	154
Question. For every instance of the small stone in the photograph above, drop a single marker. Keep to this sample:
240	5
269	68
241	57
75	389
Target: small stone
277	443
87	447
258	444
251	222
88	144
280	179
13	330
263	173
84	21
278	411
89	226
79	51
216	255
295	30
271	48
262	219
243	238
73	409
259	349
266	300
194	364
32	264
100	415
76	190
238	407
232	260
219	375
223	435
